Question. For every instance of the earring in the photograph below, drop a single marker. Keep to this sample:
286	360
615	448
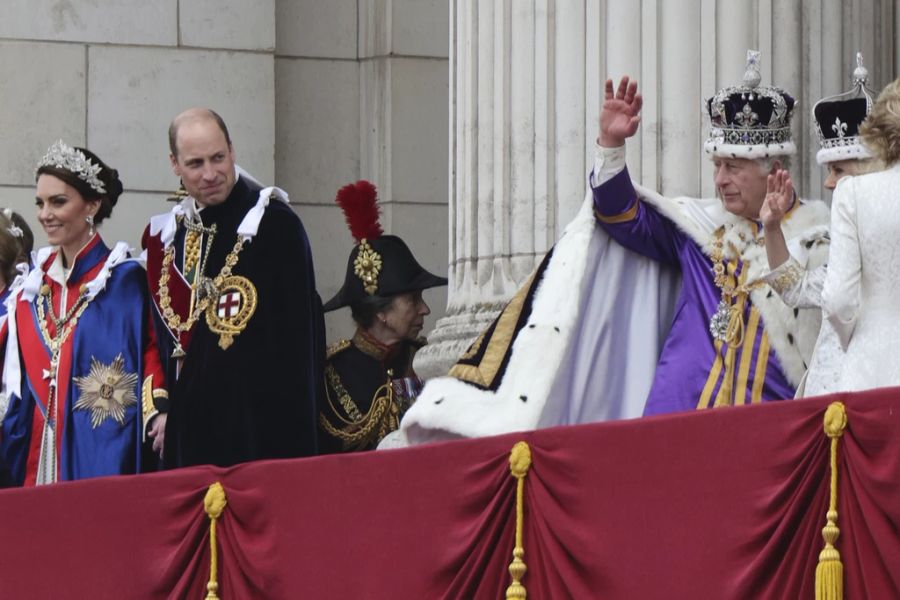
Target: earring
90	221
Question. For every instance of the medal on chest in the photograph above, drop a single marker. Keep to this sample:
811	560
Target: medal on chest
229	315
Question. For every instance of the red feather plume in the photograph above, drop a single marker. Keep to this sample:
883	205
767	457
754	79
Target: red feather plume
359	201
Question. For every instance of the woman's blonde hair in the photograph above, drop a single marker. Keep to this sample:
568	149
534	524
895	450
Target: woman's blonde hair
880	131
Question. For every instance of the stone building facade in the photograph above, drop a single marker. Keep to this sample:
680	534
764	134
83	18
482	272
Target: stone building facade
475	118
316	93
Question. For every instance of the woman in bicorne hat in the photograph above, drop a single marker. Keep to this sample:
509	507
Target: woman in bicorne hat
369	379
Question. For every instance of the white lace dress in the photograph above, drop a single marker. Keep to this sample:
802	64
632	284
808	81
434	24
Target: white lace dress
800	288
860	294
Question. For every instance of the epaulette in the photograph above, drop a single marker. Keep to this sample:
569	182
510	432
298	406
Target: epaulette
336	348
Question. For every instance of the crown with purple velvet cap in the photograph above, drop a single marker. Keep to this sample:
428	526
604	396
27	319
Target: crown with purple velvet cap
750	120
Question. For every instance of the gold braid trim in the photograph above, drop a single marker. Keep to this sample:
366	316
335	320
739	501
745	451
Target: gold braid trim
334	382
148	408
498	344
830	570
625	217
519	463
148	404
786	276
336	348
214	503
360	430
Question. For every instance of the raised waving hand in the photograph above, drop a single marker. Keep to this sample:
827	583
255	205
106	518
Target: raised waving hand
620	115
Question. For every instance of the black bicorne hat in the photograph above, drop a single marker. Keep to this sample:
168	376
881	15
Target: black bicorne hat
838	119
379	265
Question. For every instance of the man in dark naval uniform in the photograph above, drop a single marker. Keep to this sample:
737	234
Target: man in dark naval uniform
369	379
238	319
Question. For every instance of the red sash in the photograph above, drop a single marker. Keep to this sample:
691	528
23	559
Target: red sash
36	357
179	289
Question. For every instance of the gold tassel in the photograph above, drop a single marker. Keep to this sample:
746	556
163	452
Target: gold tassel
830	571
214	503
519	463
734	333
734	336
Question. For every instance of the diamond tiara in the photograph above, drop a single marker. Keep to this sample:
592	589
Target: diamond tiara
14	230
62	156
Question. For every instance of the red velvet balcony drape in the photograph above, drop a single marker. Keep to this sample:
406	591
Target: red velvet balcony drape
727	503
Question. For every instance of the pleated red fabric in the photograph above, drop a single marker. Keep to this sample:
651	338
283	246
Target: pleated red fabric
727	503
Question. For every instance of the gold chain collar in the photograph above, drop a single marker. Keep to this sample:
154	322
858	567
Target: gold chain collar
206	289
727	323
63	325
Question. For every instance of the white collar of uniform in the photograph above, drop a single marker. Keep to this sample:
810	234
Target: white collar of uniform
166	225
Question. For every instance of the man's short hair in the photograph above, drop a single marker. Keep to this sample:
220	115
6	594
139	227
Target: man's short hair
173	129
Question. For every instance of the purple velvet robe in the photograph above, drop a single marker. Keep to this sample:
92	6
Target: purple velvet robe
694	370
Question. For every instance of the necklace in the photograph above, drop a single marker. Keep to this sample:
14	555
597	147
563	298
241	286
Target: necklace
727	323
206	289
63	327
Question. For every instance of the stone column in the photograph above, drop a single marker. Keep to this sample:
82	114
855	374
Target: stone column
517	154
361	93
526	88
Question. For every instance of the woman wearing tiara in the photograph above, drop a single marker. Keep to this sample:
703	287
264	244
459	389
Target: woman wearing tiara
81	369
16	241
839	124
859	297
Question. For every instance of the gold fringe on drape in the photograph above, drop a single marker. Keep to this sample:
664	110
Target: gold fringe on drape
830	571
213	503
519	463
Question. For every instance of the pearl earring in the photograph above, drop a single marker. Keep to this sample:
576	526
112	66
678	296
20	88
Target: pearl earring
90	221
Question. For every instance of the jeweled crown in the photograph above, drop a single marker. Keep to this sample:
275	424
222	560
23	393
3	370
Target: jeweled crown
749	120
838	119
62	156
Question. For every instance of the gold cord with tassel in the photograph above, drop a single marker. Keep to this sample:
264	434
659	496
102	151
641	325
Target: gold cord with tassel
519	463
734	337
830	571
213	503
